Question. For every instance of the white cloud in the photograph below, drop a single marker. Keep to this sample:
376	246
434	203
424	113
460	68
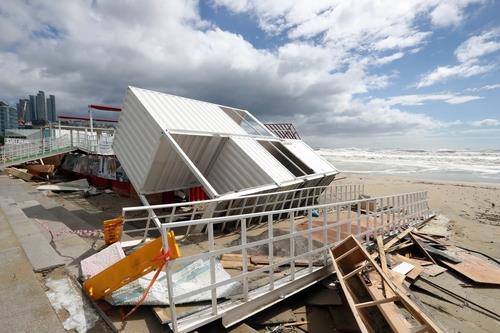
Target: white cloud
478	46
468	54
421	99
450	12
443	73
485	88
462	99
486	122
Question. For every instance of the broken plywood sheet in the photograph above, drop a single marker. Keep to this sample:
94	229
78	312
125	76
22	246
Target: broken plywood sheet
473	267
19	173
434	270
76	185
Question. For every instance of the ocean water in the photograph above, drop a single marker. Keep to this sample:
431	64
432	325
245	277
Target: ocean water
450	165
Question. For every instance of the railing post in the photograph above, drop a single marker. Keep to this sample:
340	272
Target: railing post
292	245
270	235
211	248
309	238
325	233
244	257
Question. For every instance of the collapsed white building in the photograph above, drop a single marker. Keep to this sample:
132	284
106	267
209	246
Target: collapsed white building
166	142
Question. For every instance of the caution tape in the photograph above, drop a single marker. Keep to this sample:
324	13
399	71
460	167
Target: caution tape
78	232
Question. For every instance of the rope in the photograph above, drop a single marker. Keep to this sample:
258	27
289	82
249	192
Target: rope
164	257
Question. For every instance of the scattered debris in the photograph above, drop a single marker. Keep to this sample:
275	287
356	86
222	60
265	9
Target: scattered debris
191	277
19	173
98	262
41	169
65	296
76	185
374	310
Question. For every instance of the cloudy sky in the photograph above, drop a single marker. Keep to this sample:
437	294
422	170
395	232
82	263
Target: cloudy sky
365	73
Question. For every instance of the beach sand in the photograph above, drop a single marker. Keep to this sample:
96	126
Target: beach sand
473	208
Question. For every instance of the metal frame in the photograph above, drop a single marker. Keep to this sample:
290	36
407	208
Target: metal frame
78	138
230	206
391	212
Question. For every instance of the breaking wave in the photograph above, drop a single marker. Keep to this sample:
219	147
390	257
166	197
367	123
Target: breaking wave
469	165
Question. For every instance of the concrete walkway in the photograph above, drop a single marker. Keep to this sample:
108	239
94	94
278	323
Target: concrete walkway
24	307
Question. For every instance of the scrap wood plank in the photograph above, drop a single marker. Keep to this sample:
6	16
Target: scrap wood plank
390	311
415	272
442	255
413	261
396	239
399	247
421	247
348	263
383	264
434	270
19	173
473	267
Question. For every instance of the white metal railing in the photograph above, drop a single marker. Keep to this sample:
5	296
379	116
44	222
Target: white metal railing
99	142
271	201
33	149
308	238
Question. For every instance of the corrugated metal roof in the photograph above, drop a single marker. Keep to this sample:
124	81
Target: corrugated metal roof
136	140
234	170
264	159
308	156
179	113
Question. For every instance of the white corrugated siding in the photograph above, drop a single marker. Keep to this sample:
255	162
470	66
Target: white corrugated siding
136	140
308	156
264	159
179	113
234	170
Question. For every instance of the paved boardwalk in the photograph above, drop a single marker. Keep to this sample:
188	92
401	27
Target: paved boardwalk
24	307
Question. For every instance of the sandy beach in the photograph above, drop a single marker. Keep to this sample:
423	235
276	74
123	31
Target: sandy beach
473	208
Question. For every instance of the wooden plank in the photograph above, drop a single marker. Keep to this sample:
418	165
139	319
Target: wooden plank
415	272
413	261
349	297
473	267
19	173
397	238
409	305
391	312
399	247
420	246
377	302
434	270
383	264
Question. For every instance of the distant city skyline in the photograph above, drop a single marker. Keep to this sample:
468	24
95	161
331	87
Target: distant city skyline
37	108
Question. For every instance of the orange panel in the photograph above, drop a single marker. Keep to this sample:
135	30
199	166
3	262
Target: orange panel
130	268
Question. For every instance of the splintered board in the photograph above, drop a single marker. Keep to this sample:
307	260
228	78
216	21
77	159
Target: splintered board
473	267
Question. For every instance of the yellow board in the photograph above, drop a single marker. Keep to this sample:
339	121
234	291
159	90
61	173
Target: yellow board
139	263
